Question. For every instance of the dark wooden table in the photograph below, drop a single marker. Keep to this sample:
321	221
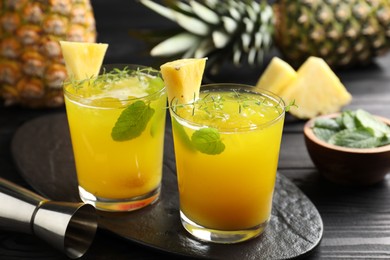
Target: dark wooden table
356	220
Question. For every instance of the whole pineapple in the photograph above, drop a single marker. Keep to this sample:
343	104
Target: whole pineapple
31	65
342	32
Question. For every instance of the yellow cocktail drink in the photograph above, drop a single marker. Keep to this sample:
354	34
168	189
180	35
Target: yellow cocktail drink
117	124
227	147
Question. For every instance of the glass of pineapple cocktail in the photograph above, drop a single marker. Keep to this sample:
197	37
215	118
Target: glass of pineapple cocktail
117	123
227	148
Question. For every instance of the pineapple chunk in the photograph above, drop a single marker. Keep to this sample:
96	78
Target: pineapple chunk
183	78
83	60
316	90
276	76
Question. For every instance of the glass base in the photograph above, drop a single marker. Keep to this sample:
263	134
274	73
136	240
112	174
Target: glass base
220	236
129	204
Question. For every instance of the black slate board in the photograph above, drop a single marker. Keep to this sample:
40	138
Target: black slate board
42	151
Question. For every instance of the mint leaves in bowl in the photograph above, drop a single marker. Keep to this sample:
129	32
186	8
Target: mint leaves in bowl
352	147
354	129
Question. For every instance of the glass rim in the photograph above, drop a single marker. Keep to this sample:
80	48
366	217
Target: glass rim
132	67
238	86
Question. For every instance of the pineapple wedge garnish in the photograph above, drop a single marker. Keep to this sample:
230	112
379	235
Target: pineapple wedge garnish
316	90
183	78
83	60
276	76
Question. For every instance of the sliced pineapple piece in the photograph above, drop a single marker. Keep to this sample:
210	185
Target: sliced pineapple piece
316	90
276	76
83	60
183	78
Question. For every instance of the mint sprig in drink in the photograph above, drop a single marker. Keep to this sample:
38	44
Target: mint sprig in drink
117	123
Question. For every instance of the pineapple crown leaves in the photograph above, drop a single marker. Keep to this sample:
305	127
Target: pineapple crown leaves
215	29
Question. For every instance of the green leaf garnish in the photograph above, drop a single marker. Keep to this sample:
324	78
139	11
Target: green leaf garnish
323	133
369	122
354	129
290	105
157	121
385	140
132	121
208	141
145	75
327	123
354	138
205	140
347	119
181	134
155	85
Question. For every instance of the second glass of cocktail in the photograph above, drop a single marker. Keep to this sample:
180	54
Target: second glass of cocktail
227	148
117	124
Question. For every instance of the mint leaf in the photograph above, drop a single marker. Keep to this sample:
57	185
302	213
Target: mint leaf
323	133
385	140
205	140
157	121
208	141
368	121
132	121
155	84
355	138
348	119
327	123
181	134
358	129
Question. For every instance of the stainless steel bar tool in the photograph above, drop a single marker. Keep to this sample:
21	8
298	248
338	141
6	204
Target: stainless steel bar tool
67	226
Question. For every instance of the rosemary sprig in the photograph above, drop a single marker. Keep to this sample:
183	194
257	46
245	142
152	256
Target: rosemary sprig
109	77
217	101
208	140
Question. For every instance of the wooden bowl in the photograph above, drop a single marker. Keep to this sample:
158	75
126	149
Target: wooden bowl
347	166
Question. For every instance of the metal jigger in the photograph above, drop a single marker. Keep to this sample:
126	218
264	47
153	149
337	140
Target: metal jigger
69	227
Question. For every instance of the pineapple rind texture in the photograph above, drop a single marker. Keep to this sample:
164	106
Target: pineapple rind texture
316	90
31	64
343	33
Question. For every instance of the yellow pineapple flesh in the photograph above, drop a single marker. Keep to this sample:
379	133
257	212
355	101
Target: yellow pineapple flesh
183	78
316	90
277	75
83	60
31	65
